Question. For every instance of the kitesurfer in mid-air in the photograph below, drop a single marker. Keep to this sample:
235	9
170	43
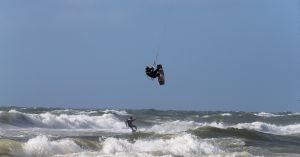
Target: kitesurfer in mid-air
151	72
128	123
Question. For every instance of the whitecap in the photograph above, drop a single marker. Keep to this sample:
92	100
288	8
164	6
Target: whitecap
226	114
121	112
270	128
107	122
42	146
184	145
265	114
294	114
206	116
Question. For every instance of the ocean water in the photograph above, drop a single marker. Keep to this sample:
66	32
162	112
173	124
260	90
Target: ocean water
45	132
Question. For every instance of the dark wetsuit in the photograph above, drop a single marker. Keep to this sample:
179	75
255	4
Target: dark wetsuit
152	73
129	123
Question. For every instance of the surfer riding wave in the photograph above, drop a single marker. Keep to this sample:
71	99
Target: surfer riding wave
128	123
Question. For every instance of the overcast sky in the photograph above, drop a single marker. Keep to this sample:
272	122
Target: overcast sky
217	54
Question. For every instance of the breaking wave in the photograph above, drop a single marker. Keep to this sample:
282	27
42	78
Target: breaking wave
226	114
62	121
265	114
181	126
42	146
99	132
109	121
270	128
121	113
294	114
187	145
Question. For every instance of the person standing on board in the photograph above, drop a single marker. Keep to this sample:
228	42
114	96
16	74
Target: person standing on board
128	123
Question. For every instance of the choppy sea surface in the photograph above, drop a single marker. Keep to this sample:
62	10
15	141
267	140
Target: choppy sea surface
45	132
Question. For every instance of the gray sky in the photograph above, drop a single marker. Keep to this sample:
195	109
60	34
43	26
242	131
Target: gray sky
217	54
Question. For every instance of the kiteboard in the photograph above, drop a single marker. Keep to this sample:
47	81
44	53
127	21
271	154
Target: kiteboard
161	76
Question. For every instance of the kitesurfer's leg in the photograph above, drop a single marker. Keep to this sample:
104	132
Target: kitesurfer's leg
131	128
135	128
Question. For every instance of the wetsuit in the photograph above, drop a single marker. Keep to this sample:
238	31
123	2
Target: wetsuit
129	123
152	73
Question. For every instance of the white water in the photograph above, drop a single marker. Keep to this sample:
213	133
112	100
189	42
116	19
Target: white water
294	114
109	122
186	145
214	115
42	146
270	128
265	114
226	114
181	126
180	145
64	121
122	112
115	141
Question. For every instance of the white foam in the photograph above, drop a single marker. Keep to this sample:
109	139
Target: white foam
139	154
213	115
270	128
88	112
64	111
42	146
121	112
226	114
181	145
265	114
215	124
206	116
13	111
65	121
294	114
182	126
184	145
105	121
121	154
